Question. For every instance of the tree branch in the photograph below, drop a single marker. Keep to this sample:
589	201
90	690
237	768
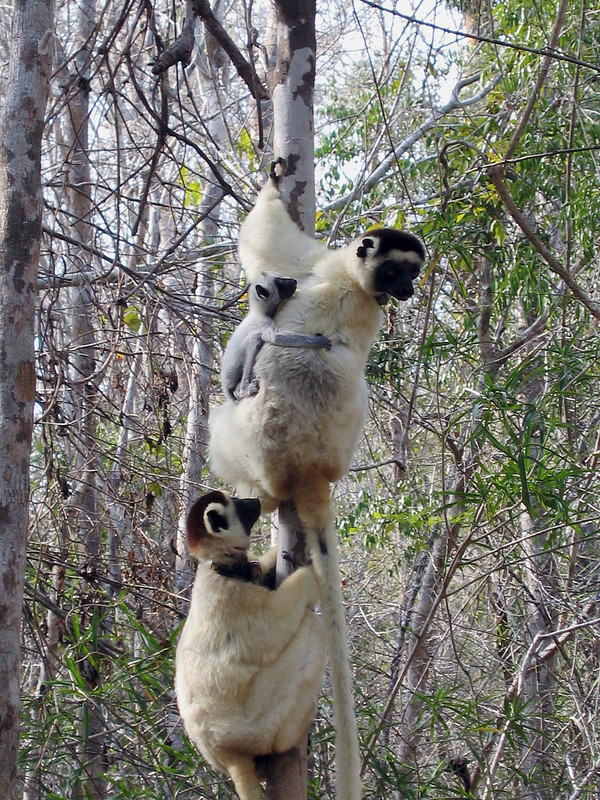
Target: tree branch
541	79
203	10
414	137
182	48
496	173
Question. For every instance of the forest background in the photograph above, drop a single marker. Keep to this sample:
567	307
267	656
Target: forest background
469	521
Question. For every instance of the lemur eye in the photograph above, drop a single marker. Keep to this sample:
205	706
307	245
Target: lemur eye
262	292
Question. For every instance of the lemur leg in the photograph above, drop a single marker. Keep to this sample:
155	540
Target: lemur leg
312	495
243	774
248	385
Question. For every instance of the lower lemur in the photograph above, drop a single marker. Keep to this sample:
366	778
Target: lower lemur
250	660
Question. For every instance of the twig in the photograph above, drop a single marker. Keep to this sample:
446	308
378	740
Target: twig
556	55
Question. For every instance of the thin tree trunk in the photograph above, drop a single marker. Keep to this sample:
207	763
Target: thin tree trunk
211	69
417	669
542	617
21	125
85	498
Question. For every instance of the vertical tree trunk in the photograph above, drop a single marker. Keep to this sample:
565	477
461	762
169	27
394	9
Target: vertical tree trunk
85	499
21	125
420	650
292	90
211	67
542	614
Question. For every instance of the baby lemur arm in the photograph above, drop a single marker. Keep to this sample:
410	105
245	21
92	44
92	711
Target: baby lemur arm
273	336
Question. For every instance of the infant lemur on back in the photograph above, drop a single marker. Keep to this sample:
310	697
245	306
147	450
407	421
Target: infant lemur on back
258	326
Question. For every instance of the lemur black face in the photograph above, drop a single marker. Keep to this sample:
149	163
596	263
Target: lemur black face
401	256
248	511
395	278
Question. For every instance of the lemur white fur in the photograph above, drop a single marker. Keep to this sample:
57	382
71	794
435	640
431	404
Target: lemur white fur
250	661
265	295
298	434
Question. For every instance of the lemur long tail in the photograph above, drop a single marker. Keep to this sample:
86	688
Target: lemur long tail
348	784
323	549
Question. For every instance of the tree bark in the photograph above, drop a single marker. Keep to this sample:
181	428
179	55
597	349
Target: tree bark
84	502
292	88
21	125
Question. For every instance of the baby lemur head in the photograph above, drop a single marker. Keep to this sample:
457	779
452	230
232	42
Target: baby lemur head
266	294
218	527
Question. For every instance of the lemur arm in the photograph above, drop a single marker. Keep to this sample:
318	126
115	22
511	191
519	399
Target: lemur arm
280	339
269	237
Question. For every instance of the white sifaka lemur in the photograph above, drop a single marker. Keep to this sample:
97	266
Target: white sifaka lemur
265	296
298	434
250	661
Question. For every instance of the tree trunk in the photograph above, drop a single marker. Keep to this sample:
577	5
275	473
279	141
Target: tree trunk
542	614
211	70
84	503
292	88
21	127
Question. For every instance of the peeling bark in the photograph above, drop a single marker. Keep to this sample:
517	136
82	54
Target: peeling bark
292	87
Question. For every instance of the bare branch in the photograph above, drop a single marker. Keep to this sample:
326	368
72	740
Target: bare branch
203	10
181	49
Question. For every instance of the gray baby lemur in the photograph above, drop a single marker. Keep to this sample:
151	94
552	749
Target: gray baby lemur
258	326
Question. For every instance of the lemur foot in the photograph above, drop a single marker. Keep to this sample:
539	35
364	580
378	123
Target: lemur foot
247	390
275	175
324	342
294	562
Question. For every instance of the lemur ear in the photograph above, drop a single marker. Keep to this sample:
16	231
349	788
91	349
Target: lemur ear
218	522
367	244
